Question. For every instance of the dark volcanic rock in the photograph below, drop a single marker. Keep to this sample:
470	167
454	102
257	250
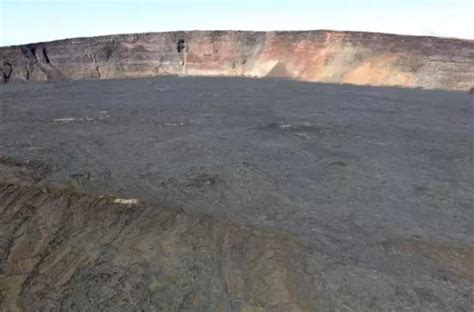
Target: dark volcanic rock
61	250
294	196
326	56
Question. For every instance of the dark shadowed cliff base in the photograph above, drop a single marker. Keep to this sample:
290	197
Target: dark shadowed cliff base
324	56
233	194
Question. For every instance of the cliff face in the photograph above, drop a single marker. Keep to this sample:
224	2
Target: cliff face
323	56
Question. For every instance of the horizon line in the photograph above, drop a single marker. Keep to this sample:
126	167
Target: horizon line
235	30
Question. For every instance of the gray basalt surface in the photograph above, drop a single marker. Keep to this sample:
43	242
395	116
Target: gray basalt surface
252	194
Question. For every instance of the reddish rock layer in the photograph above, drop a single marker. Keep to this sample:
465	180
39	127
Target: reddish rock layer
324	56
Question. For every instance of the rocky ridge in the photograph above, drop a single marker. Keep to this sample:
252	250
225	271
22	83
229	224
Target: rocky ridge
62	249
323	56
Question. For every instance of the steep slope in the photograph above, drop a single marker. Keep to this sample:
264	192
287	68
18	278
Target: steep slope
61	250
325	56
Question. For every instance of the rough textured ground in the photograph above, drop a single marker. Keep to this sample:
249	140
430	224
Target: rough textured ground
316	197
325	56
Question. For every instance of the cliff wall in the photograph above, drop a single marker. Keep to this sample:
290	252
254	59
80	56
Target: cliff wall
322	56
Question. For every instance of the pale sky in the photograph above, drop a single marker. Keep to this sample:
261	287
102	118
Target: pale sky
26	21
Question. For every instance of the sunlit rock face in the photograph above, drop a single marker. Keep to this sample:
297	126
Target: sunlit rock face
322	56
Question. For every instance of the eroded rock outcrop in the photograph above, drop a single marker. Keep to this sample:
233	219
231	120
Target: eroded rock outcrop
324	56
63	250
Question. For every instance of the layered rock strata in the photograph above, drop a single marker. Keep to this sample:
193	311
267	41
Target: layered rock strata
322	56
